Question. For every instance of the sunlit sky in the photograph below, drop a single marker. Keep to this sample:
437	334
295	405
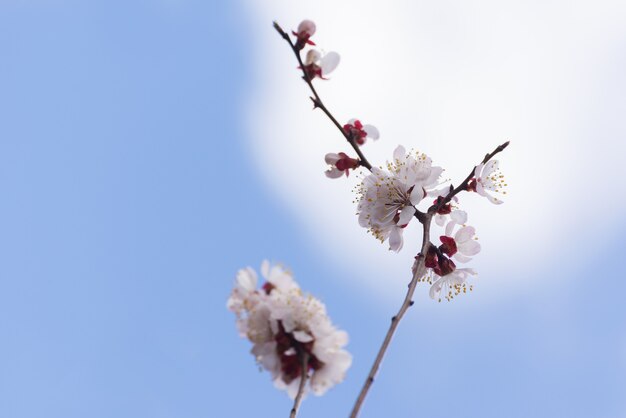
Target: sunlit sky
150	149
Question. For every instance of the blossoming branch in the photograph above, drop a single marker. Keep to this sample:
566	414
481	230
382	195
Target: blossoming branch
292	336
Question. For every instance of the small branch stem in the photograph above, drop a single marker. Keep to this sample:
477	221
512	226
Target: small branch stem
317	101
395	321
303	379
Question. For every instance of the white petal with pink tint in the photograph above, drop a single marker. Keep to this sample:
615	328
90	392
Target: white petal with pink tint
333	173
331	158
395	239
312	57
372	131
306	27
459	216
399	153
406	215
329	62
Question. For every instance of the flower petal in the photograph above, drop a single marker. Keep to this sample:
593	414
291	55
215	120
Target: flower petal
399	153
461	258
435	289
312	57
493	200
371	131
480	189
246	279
302	336
307	26
478	170
331	158
406	214
464	234
471	247
435	173
417	194
490	167
265	269
329	62
333	173
449	228
395	239
459	216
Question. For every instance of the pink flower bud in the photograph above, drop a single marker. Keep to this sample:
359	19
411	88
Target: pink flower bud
448	245
306	29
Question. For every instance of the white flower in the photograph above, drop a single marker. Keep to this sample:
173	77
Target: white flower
359	132
340	164
284	325
451	284
387	198
463	245
318	65
488	177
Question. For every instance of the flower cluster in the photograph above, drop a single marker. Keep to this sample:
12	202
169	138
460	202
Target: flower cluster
290	331
443	275
388	202
387	198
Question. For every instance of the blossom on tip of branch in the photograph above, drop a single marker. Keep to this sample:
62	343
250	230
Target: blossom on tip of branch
388	197
359	132
306	29
340	164
320	65
285	327
488	177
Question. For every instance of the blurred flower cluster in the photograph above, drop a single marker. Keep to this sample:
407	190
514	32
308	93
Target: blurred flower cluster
290	331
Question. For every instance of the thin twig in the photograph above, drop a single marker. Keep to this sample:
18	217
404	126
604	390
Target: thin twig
317	101
395	321
303	379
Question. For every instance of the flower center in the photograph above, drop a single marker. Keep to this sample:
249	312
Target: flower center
289	351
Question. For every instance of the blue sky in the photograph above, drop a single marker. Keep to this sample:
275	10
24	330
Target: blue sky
131	192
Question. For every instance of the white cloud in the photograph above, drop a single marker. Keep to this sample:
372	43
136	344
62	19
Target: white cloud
454	79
